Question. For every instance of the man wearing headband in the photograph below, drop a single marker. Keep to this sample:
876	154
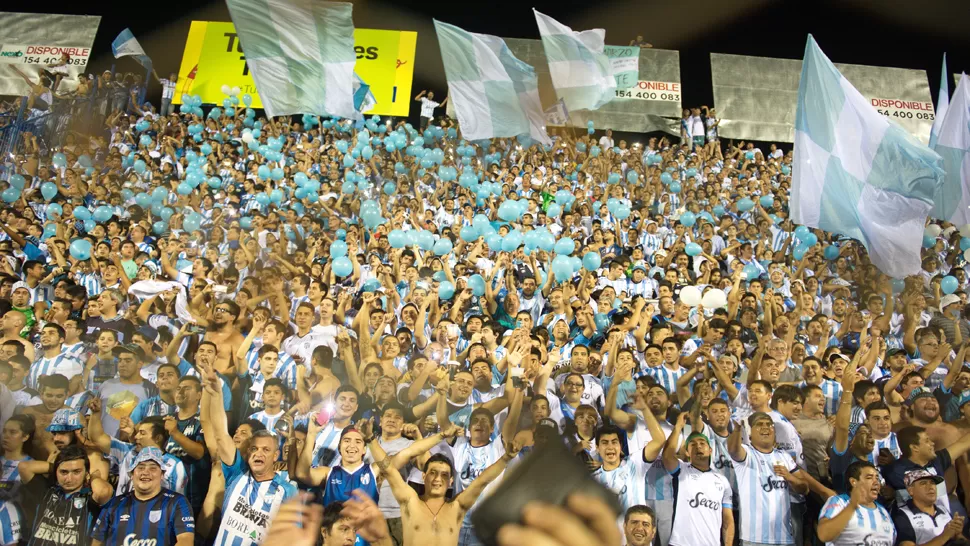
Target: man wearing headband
703	515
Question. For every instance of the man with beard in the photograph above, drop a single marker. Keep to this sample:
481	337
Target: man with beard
765	475
65	509
430	519
162	404
639	525
121	394
592	387
223	333
54	359
253	489
919	452
185	440
704	498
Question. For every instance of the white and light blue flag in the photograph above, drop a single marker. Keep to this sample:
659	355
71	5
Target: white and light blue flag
363	96
942	102
580	69
495	94
125	45
952	200
300	53
857	173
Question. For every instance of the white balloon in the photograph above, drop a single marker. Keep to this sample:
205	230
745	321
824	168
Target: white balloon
225	89
714	298
234	91
690	295
966	254
933	230
247	137
965	230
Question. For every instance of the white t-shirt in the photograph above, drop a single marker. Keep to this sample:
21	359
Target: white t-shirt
606	142
700	498
427	107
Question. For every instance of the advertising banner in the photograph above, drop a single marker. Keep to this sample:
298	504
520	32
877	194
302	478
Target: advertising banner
213	58
33	42
756	96
644	107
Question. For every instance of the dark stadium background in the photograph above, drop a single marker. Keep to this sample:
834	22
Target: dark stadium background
906	34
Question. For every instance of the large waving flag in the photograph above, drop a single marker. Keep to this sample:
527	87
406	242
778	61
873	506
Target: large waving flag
300	53
856	173
494	93
952	200
942	103
581	71
125	45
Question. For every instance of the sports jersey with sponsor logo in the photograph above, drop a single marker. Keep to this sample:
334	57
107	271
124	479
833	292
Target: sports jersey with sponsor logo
341	483
123	454
64	519
764	501
249	505
626	480
701	496
158	521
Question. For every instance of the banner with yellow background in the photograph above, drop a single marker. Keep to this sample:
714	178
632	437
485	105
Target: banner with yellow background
213	58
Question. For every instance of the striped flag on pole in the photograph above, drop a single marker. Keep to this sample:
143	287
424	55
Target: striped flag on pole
952	200
300	53
494	93
125	45
856	173
581	71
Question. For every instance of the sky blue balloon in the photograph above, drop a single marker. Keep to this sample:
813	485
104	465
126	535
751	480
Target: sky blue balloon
442	247
18	181
592	261
666	178
80	249
82	213
192	222
964	243
565	246
767	201
688	219
477	285
810	240
898	285
494	242
602	321
396	238
831	252
674	187
693	249
949	284
246	222
54	209
745	204
446	290
11	194
425	240
338	249
562	267
342	266
799	252
801	232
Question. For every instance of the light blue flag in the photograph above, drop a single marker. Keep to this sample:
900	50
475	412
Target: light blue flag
495	94
856	172
580	69
952	199
125	45
363	96
942	103
300	53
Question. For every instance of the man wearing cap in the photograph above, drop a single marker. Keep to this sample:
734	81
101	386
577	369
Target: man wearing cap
950	318
149	433
765	475
921	522
919	452
703	505
148	514
63	509
121	394
65	430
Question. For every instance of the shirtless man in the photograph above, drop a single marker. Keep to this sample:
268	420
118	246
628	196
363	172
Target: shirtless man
53	393
11	325
223	332
430	519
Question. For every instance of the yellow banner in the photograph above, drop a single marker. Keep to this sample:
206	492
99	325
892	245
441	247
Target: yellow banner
213	58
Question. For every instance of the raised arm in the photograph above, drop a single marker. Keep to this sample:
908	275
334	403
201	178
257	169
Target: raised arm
844	416
672	445
95	432
217	416
735	446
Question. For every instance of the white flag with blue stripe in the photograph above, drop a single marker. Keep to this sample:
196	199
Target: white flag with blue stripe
495	94
942	102
125	45
952	200
363	97
857	173
300	53
580	69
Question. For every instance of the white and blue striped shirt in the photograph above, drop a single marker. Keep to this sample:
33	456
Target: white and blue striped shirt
765	504
889	442
832	391
249	505
666	377
63	364
626	480
871	526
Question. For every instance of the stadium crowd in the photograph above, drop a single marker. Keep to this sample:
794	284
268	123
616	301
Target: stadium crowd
224	329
